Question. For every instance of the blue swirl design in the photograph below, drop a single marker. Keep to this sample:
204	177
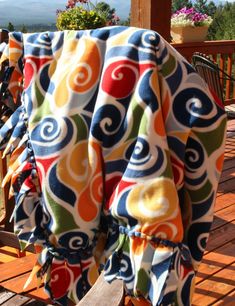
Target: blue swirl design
163	53
145	39
122	210
196	181
144	161
194	155
198	234
186	289
38	45
109	125
128	52
107	32
82	285
11	123
175	78
178	145
45	81
193	106
116	165
200	209
18	36
148	96
59	189
74	240
19	130
51	135
58	40
126	270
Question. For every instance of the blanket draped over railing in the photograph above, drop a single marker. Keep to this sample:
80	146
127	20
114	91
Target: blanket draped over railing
116	137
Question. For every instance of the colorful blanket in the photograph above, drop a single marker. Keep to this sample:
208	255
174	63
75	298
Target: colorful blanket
116	136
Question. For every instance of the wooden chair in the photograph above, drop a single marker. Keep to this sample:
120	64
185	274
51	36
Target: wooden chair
213	76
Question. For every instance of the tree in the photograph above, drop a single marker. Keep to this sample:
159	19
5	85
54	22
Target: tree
178	4
10	27
206	8
223	26
24	29
108	13
126	22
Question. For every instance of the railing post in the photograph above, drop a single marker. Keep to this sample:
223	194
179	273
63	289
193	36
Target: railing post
152	14
3	35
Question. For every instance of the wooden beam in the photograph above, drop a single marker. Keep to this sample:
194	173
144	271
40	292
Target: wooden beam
4	35
152	14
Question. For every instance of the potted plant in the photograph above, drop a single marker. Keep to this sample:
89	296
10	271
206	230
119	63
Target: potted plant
84	16
189	25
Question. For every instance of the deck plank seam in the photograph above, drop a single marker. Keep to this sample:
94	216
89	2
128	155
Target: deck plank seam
212	274
221	298
222	225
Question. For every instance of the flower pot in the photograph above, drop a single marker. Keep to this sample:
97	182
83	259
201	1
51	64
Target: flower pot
188	34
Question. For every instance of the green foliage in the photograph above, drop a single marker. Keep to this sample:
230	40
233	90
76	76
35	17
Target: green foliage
78	18
105	10
223	26
10	27
23	29
108	13
179	4
200	5
205	8
126	22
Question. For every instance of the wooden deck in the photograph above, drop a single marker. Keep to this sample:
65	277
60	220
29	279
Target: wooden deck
215	282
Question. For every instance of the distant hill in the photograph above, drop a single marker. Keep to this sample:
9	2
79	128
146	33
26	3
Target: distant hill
31	28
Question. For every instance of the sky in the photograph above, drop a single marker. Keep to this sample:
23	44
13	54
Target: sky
32	11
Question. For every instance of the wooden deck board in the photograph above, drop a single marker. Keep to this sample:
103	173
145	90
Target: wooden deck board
227	300
8	298
17	267
224	216
216	287
215	261
221	236
7	254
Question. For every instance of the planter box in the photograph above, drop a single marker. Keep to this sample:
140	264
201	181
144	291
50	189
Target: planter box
188	34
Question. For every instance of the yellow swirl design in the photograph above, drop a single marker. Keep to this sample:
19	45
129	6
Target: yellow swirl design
154	201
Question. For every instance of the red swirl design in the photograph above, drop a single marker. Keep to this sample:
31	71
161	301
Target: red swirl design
32	66
29	72
120	78
60	279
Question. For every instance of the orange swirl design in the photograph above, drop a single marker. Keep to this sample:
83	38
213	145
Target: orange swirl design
83	175
77	73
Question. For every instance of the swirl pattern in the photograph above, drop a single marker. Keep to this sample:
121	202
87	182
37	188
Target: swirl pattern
112	136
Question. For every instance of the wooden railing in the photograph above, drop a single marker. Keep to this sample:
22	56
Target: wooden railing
223	52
